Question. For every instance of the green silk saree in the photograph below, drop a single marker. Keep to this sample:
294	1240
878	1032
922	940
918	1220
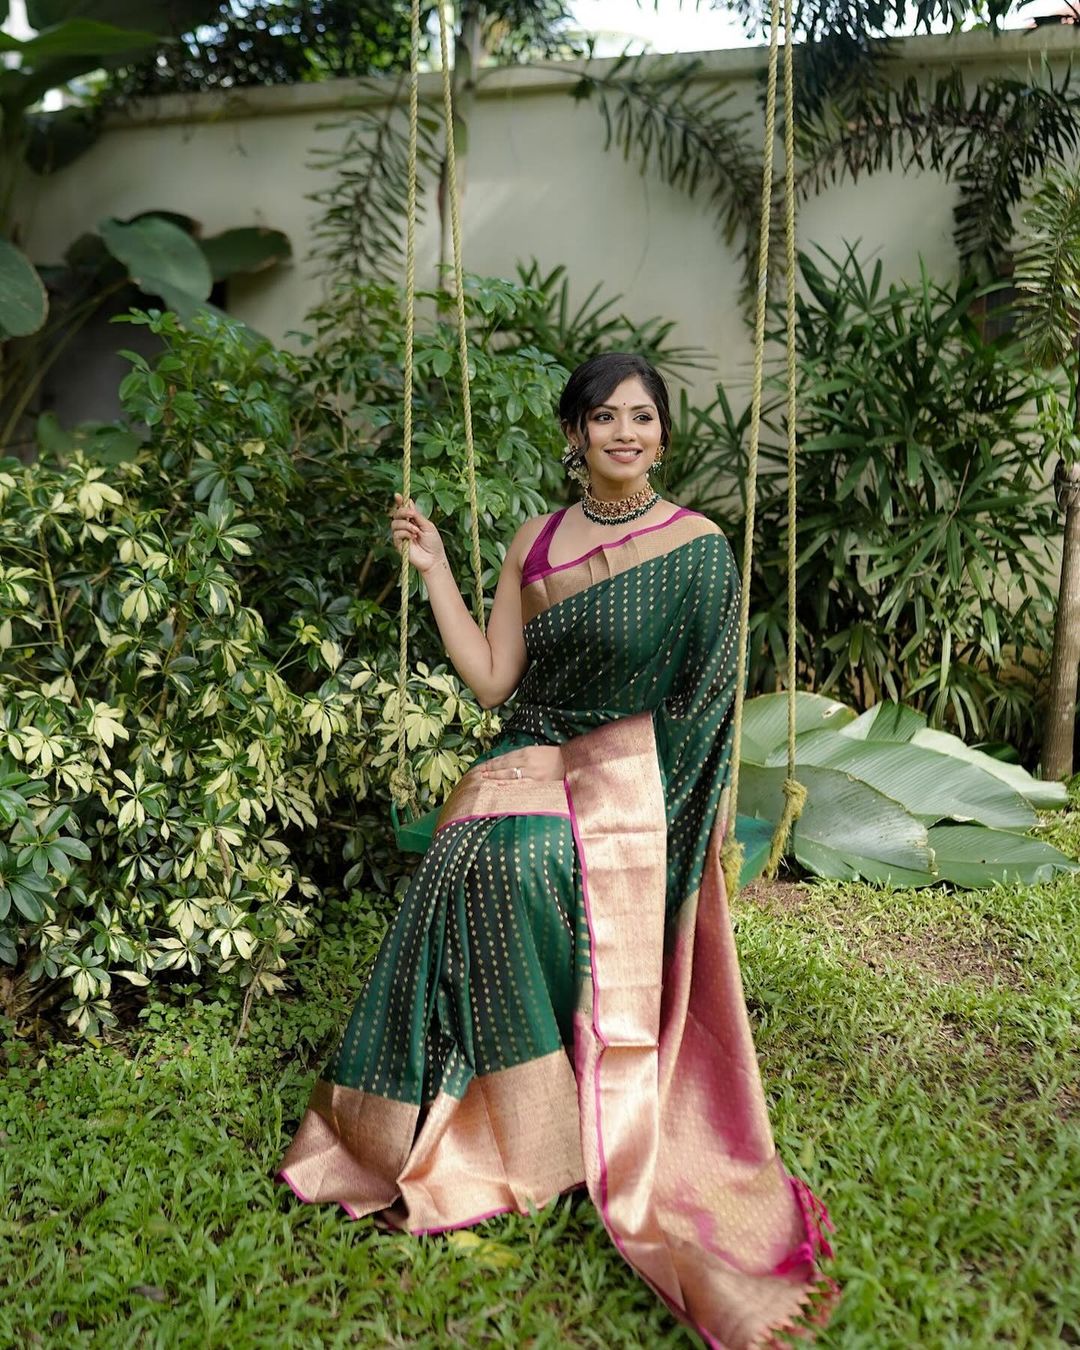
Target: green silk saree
558	1001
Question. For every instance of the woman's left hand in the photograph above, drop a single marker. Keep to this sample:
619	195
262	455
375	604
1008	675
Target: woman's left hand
534	761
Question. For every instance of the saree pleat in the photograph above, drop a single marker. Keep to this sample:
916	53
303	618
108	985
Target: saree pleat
558	999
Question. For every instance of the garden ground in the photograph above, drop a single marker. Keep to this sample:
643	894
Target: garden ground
919	1053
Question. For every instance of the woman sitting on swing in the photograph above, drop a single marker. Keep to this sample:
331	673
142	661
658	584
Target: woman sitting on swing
558	1000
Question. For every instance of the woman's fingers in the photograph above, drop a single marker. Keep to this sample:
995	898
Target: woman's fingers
407	510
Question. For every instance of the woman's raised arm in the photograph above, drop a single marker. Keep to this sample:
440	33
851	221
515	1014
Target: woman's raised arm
491	665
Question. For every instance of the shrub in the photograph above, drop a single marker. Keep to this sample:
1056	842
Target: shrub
924	524
195	658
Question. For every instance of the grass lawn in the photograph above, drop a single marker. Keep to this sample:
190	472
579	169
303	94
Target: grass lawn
920	1054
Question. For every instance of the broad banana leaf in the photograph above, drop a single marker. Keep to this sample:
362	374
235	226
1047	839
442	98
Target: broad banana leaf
84	37
848	830
1038	792
930	785
765	721
885	722
969	855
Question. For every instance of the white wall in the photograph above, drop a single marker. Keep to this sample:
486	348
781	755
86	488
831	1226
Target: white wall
539	184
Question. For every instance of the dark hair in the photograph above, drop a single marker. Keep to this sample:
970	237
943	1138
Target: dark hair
597	378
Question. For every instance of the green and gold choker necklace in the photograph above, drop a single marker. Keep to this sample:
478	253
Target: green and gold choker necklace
618	512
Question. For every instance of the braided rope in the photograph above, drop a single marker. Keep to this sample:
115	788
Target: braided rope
794	791
463	346
402	782
732	853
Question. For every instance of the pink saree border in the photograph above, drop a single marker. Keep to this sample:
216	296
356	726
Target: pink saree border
605	1209
537	574
748	1302
282	1175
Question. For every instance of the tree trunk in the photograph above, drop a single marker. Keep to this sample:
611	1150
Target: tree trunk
1057	753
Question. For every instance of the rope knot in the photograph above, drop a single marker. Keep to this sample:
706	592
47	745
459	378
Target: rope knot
794	801
403	787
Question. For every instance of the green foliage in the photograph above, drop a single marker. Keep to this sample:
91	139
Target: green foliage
991	140
270	42
153	254
1047	275
892	801
923	523
195	653
25	301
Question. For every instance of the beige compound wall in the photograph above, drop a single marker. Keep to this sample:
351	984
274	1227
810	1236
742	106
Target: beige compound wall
540	184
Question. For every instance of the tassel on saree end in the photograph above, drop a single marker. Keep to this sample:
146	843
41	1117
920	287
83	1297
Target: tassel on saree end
794	801
731	860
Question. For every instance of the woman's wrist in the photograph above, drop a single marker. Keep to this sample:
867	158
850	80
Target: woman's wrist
438	569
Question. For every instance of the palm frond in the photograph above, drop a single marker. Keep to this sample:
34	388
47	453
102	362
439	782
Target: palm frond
360	231
1047	270
990	142
660	114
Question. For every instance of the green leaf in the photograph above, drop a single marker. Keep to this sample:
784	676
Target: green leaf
74	848
87	37
26	901
973	856
765	721
253	248
160	257
23	299
847	829
886	721
756	838
1038	792
930	785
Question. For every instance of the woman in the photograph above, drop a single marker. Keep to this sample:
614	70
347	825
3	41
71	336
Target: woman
558	1000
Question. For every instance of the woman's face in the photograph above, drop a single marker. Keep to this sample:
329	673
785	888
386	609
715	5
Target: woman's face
624	439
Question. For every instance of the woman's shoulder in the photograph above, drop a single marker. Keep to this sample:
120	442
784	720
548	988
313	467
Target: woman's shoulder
527	536
530	530
701	524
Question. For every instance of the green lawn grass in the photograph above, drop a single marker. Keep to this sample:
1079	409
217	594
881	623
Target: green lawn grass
920	1055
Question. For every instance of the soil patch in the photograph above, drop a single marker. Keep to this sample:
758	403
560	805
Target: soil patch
946	958
782	895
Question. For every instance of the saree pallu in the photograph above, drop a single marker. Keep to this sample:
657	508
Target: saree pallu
558	1000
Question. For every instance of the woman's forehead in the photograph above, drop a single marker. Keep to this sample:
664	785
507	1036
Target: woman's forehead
630	392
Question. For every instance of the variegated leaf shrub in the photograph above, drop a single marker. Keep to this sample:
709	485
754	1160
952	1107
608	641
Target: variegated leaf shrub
198	644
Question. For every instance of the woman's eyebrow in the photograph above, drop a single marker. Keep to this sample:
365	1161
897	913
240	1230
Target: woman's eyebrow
638	407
